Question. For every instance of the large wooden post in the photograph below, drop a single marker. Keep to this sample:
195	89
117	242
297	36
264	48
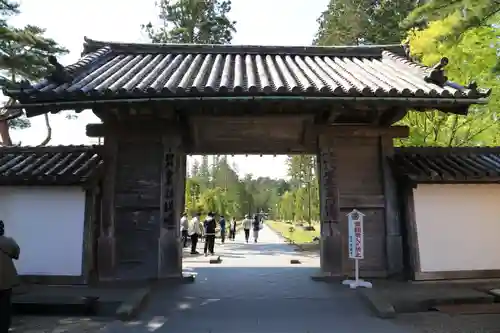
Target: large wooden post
106	242
393	235
331	237
174	175
142	203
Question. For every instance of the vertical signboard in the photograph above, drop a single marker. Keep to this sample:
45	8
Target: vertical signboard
355	235
356	247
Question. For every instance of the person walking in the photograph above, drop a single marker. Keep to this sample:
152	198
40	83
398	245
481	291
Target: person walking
184	229
210	226
9	250
247	224
232	229
256	227
222	225
195	230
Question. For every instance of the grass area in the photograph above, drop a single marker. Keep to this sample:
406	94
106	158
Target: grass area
298	236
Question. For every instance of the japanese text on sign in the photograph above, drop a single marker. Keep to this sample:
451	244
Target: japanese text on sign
356	239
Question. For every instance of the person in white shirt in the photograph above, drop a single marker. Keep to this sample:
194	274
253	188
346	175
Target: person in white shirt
195	230
184	229
247	225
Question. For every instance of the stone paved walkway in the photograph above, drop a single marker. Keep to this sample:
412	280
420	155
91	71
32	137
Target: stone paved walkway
256	289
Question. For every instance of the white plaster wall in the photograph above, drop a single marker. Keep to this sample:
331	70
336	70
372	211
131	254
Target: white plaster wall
458	226
47	222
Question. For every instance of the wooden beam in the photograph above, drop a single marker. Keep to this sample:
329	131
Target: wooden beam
95	130
219	147
131	127
363	131
391	116
333	115
362	201
186	132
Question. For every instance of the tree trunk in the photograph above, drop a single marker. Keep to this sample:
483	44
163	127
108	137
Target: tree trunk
4	124
4	133
48	137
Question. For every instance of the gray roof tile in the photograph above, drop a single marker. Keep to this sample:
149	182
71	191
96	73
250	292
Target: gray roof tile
139	70
436	164
58	165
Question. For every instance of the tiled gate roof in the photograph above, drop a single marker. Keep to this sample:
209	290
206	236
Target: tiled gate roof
117	70
57	165
448	164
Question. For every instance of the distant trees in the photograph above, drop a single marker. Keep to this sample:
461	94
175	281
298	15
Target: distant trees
218	188
300	202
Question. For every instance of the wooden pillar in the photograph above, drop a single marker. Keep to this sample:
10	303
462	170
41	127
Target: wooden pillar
393	236
174	174
143	198
331	238
106	241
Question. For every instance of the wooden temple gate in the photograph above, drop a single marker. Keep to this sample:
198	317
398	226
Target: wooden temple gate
159	103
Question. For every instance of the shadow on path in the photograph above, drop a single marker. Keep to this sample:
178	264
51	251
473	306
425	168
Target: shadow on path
255	289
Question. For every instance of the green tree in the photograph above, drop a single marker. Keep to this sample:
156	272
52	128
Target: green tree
192	197
24	55
470	59
354	22
303	181
215	200
472	14
286	206
204	173
195	169
192	21
468	15
232	196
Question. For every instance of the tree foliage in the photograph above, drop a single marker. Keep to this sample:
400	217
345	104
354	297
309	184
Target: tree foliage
24	54
218	188
465	31
467	16
470	59
192	21
354	22
300	202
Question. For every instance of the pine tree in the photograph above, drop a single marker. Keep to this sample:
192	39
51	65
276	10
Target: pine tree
204	173
192	21
24	55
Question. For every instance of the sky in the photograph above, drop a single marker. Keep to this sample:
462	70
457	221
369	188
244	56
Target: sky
259	22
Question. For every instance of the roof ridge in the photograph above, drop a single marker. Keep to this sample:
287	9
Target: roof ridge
91	45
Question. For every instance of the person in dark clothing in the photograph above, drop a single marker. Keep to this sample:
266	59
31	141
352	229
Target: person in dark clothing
210	226
9	251
256	227
222	224
232	229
